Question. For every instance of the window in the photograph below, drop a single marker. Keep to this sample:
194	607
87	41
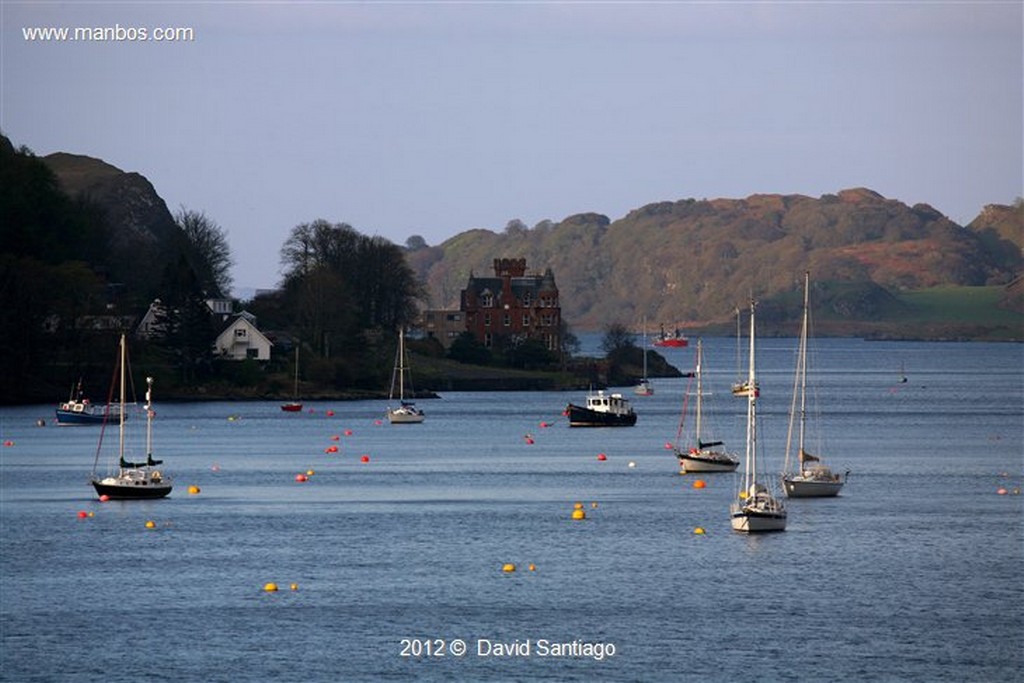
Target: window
487	299
527	299
526	319
487	319
241	333
487	339
508	320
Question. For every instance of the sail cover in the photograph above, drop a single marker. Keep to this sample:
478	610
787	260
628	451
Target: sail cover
807	457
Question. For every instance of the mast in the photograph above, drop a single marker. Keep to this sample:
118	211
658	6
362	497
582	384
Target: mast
700	394
738	366
401	364
149	419
751	455
803	368
120	447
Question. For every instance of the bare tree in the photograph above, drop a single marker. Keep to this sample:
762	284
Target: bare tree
208	251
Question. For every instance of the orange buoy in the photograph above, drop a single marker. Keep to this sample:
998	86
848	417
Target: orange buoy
193	490
365	458
699	483
301	477
104	498
82	514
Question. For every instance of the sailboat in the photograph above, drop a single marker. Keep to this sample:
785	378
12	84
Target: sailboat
756	508
703	456
644	387
133	480
742	387
295	405
406	412
812	479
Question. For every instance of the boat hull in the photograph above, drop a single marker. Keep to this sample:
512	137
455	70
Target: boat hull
796	487
584	417
65	417
643	389
672	343
291	407
405	416
118	489
707	461
755	520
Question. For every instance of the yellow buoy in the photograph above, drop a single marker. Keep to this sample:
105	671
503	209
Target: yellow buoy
193	490
743	495
532	567
294	586
578	506
699	531
270	587
578	513
508	567
150	524
593	505
310	473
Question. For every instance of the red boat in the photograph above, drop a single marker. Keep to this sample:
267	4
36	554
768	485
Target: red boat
676	339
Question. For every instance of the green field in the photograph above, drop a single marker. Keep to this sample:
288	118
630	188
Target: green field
960	305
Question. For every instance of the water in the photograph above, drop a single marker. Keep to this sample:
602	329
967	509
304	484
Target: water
913	574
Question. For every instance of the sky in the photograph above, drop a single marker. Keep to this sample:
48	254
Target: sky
433	118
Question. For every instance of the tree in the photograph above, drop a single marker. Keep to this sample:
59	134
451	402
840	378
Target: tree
208	251
466	349
416	243
616	338
342	283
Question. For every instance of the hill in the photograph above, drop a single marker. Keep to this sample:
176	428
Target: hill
690	263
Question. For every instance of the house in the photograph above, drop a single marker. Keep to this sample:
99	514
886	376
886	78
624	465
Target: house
241	339
513	305
443	325
153	324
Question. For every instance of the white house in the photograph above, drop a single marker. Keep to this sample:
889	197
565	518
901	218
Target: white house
241	339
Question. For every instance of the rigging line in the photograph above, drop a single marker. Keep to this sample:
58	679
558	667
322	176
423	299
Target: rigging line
686	401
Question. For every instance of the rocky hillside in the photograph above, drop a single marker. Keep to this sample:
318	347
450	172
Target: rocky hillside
691	262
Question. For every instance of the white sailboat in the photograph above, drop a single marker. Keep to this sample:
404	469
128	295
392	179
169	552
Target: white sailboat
295	405
756	508
702	456
132	480
644	387
811	478
406	412
742	387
